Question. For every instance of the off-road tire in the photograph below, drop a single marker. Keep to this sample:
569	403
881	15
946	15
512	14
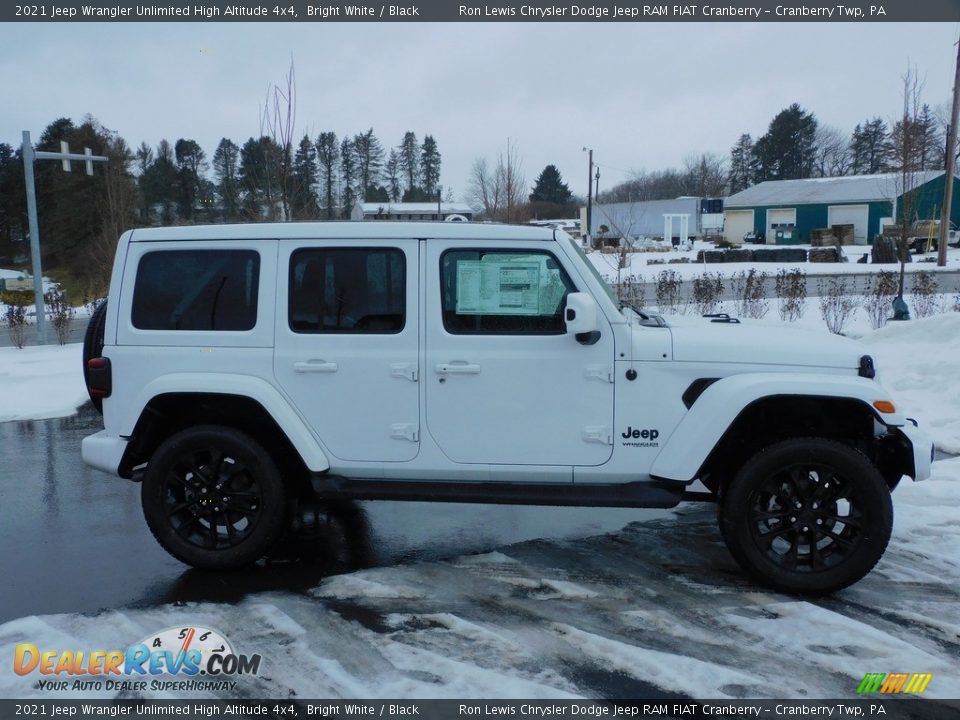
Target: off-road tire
798	491
213	498
93	347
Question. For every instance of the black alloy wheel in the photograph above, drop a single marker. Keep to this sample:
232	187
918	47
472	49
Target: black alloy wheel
213	498
807	516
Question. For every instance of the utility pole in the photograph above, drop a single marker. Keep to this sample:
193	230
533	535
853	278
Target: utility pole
29	157
949	170
589	195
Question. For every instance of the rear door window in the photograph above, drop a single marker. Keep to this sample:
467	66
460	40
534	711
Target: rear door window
209	290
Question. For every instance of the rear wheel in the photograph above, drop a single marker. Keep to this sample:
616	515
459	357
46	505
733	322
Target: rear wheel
213	498
93	347
807	516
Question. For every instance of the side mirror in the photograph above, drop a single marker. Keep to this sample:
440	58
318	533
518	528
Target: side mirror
580	314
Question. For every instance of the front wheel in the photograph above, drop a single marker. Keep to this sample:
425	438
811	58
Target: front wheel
213	498
807	516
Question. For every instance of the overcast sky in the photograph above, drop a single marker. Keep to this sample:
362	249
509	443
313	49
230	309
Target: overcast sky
642	96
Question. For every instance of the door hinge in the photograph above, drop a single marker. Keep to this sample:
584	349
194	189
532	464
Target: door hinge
600	372
404	370
405	431
598	434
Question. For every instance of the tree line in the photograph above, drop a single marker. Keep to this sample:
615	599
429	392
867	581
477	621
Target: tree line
796	146
266	178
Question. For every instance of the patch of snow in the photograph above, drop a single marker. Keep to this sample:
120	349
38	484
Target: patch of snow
354	586
41	382
917	361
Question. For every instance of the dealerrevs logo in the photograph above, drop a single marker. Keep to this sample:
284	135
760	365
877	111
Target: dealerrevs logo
185	652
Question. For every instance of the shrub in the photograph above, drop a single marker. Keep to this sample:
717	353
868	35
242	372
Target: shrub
749	294
633	291
879	297
924	291
707	292
669	289
15	317
836	304
60	312
791	287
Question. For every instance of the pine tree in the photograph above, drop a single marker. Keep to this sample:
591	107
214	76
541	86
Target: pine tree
742	165
410	160
430	165
327	156
392	172
159	183
550	188
787	150
348	175
303	194
226	170
191	164
870	148
369	155
260	178
12	203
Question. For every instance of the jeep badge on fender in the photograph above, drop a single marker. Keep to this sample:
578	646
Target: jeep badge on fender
249	373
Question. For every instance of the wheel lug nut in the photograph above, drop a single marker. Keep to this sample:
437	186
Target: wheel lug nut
819	521
806	529
792	519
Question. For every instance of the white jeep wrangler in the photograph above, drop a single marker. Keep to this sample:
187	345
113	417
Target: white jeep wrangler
245	370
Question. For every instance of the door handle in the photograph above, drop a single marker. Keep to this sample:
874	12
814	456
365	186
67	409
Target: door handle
315	366
458	368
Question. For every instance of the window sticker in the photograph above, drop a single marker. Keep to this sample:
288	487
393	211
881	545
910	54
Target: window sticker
499	287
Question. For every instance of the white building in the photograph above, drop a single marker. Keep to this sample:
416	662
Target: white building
447	211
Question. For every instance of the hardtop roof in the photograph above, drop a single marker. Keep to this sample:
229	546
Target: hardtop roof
345	230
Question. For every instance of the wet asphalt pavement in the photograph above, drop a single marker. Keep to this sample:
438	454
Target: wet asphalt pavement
73	539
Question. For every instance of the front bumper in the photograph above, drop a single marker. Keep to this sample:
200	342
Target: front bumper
922	451
103	451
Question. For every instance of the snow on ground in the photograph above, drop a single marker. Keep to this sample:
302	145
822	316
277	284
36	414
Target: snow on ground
41	382
656	609
637	263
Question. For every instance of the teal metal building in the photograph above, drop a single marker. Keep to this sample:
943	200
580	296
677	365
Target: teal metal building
786	211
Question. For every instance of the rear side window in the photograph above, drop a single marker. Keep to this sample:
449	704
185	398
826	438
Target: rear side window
196	290
347	290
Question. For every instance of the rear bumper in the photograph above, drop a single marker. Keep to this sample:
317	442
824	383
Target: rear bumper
922	451
103	451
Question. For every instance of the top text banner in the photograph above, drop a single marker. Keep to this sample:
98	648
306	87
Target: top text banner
301	11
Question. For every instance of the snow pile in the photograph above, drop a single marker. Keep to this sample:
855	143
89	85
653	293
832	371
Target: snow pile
41	382
917	362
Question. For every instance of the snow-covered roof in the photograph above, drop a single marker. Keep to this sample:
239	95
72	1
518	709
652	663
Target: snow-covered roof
418	208
809	191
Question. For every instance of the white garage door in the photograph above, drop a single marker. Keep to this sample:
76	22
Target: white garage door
778	217
855	215
736	224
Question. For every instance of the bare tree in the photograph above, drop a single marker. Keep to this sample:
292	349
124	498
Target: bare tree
278	119
511	178
832	152
118	207
484	189
906	159
500	193
705	176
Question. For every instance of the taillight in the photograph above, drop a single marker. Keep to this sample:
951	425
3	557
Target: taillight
99	377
